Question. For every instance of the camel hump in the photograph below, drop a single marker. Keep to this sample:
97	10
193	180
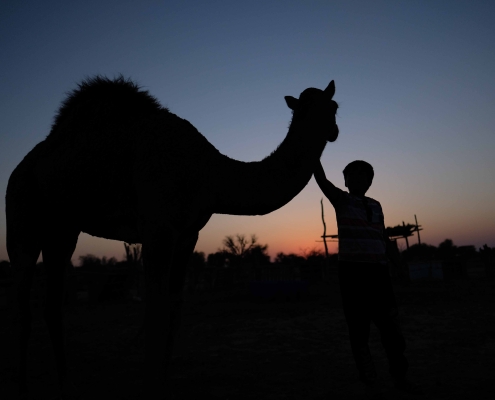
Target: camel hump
103	101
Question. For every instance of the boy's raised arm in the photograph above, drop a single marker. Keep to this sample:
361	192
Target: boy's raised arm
325	185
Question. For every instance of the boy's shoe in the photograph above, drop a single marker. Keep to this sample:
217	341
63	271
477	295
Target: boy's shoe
408	387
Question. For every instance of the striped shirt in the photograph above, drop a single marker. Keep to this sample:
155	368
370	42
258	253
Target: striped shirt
361	228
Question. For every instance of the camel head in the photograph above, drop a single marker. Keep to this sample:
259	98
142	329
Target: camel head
316	106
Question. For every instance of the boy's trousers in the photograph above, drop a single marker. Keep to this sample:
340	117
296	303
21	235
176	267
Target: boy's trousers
367	295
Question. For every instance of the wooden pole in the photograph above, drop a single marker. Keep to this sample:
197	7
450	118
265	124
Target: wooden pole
405	237
417	229
324	229
324	236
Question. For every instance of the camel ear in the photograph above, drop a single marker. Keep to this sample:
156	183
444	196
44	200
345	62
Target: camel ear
330	89
291	102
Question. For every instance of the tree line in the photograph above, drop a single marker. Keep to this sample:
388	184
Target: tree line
447	251
239	250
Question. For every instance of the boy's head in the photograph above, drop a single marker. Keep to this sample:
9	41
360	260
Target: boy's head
358	176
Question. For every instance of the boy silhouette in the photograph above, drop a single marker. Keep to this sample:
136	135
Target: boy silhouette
366	288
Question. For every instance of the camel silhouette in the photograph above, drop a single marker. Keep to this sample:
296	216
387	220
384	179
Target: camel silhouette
118	165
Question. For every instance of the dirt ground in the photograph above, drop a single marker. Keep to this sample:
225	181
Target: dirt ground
233	347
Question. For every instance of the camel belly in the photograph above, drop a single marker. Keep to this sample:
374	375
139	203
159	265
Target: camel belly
112	228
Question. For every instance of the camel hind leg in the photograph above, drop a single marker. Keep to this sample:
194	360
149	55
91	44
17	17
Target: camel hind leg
23	250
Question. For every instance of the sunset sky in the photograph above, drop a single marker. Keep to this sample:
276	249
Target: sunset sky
415	81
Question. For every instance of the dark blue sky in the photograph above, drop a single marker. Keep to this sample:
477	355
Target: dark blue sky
415	83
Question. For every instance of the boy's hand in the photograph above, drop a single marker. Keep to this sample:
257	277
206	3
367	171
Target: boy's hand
327	187
319	173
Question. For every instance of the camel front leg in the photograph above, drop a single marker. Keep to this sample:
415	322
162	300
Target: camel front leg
178	273
158	250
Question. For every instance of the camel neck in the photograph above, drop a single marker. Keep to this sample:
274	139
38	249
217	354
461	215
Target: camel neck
258	188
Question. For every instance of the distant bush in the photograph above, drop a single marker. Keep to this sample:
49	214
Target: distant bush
90	262
421	251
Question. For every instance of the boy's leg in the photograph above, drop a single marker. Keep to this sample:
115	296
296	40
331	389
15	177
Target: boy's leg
385	316
354	300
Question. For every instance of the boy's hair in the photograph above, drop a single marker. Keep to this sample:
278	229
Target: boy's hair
361	165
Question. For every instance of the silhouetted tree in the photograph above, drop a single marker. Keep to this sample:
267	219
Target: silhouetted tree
421	251
89	261
92	262
446	249
466	252
290	259
197	260
218	259
239	250
257	255
314	257
487	255
239	245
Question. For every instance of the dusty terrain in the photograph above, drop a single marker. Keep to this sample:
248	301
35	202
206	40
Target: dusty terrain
234	347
